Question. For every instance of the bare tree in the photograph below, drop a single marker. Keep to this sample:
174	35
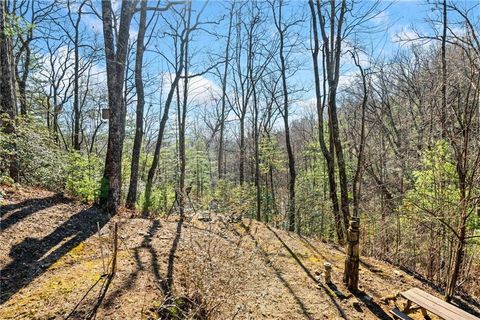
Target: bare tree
178	65
33	13
137	144
320	103
352	260
332	45
221	138
56	73
282	29
115	54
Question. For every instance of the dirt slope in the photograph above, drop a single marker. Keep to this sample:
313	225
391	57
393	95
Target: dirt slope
52	258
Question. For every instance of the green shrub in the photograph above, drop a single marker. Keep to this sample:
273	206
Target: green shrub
160	200
84	174
235	198
41	161
44	162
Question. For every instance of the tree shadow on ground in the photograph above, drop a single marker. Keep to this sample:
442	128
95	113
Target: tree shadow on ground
212	233
168	283
464	304
310	274
32	257
108	300
140	266
165	284
312	247
371	305
278	273
13	213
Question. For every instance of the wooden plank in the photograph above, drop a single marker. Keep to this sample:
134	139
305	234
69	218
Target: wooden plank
436	305
459	312
431	306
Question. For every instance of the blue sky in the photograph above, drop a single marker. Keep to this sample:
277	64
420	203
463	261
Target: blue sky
398	18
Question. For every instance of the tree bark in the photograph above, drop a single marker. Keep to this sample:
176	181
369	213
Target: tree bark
137	143
220	171
7	89
333	47
76	98
285	111
111	187
163	123
327	154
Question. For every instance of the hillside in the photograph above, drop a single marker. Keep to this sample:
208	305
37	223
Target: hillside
53	258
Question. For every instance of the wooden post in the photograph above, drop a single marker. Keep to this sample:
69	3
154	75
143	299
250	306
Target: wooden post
353	255
115	248
327	274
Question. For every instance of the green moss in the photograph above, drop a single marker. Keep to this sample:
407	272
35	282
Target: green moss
52	290
104	189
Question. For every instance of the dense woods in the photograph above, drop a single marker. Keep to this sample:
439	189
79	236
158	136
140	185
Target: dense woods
297	114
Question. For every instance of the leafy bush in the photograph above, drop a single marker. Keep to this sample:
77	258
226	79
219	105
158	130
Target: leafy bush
237	199
41	161
435	189
6	150
84	173
160	200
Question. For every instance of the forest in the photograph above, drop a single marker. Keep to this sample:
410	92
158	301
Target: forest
355	123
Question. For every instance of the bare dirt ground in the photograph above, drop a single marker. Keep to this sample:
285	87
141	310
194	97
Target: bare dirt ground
55	252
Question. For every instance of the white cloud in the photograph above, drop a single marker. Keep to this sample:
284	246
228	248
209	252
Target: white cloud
201	91
347	79
381	18
405	35
306	104
133	35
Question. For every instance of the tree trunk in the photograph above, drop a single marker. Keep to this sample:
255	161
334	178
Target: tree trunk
242	151
256	138
444	71
137	143
327	154
111	187
457	262
339	153
22	79
76	98
352	260
332	49
291	157
182	118
224	100
163	123
7	88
